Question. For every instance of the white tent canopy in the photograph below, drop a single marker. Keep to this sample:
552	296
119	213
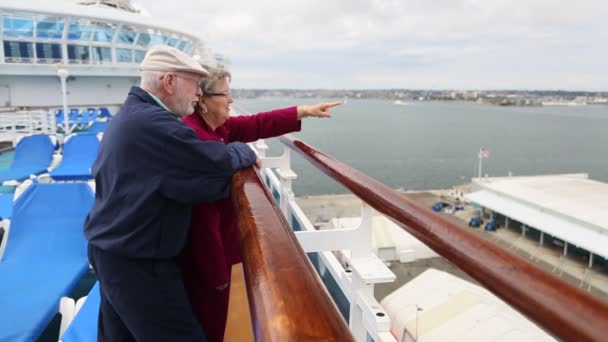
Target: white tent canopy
437	306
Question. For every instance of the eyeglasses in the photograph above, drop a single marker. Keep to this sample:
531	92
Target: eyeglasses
227	93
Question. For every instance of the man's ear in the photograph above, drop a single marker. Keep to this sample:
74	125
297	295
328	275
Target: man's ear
168	82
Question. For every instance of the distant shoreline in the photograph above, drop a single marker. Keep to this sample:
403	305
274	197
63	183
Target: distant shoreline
492	97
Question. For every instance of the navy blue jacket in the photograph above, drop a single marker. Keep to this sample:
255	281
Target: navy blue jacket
149	171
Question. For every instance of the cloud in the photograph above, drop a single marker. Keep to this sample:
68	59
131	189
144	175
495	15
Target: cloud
356	43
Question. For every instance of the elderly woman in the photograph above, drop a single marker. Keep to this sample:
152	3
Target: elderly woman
214	246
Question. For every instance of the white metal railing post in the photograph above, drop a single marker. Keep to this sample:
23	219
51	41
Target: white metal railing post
53	122
286	176
361	247
29	116
261	147
284	173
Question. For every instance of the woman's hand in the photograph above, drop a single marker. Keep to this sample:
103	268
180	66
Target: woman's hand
319	110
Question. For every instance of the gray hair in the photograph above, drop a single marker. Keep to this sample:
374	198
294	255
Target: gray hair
151	80
207	84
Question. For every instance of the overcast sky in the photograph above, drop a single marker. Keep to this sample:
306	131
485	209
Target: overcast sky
436	44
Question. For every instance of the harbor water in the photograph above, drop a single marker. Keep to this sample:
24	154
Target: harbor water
432	145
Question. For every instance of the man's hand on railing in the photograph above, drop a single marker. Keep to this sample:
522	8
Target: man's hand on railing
258	162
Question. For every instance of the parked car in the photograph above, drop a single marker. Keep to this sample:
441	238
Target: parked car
439	205
475	221
491	225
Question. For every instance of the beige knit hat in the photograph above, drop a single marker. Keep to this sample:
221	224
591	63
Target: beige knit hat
167	58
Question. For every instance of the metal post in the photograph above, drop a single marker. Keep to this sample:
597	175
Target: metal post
565	248
63	75
361	248
590	259
542	238
506	222
523	230
286	175
480	158
416	323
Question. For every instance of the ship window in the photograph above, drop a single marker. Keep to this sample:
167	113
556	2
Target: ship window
143	40
78	54
187	47
18	27
102	55
18	52
173	42
126	36
80	32
48	53
49	29
139	56
103	34
158	40
124	56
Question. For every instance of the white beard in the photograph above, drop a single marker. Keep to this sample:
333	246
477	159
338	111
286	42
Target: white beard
183	105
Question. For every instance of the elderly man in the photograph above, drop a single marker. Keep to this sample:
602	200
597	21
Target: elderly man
150	169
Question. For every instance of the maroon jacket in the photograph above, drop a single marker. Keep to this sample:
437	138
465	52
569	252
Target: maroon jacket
214	244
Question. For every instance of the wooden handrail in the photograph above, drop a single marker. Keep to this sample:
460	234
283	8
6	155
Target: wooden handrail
287	300
566	312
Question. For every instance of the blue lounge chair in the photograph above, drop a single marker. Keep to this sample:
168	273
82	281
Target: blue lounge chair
104	112
72	117
79	153
45	256
6	206
84	326
97	127
33	155
88	117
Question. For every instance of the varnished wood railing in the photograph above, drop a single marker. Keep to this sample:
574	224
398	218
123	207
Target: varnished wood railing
564	311
286	297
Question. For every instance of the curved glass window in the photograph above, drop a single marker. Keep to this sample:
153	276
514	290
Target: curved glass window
186	47
103	34
124	56
143	39
158	40
80	32
48	53
18	52
78	54
101	55
139	56
18	27
49	29
126	36
173	42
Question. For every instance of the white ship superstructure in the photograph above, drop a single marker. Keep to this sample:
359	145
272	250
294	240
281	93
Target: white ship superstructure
99	43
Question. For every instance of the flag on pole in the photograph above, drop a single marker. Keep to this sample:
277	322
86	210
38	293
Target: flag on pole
484	153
